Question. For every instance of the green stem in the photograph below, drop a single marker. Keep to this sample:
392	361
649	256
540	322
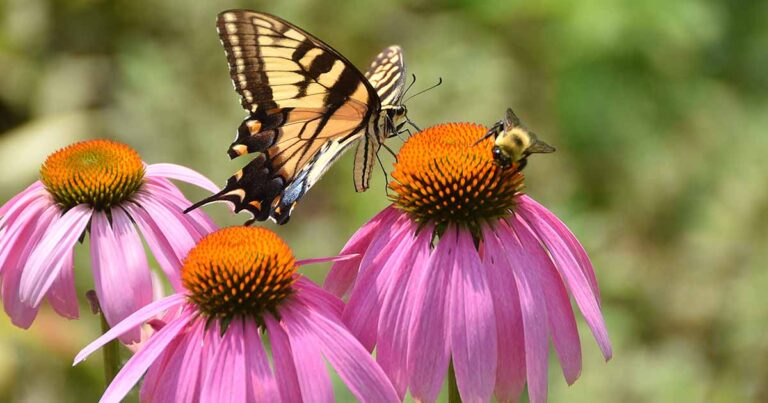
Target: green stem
453	388
111	353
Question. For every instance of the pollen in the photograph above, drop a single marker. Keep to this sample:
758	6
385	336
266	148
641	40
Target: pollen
443	175
239	272
100	173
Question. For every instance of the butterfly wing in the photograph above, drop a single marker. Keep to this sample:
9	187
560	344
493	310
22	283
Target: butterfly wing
307	104
387	76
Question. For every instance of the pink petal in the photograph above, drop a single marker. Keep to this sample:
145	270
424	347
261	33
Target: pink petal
510	371
155	387
135	368
282	357
27	233
397	309
319	299
428	345
163	251
15	237
340	258
172	222
261	383
362	311
562	323
534	312
136	319
172	199
184	174
473	325
350	360
573	244
20	201
574	278
63	294
225	379
42	267
120	272
314	380
168	209
342	275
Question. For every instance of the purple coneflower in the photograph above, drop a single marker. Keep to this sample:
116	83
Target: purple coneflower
239	286
101	188
465	268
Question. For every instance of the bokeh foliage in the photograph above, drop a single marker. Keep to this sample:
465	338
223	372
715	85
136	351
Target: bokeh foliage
659	111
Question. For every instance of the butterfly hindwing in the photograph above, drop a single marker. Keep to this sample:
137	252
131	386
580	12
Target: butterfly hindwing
306	104
387	75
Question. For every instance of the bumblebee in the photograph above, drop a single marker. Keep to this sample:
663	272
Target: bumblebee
514	142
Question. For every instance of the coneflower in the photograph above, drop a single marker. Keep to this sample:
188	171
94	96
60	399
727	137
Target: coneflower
103	190
465	268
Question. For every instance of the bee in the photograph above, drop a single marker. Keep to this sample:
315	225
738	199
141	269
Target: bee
514	142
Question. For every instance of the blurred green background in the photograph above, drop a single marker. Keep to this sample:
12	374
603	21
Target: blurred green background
659	112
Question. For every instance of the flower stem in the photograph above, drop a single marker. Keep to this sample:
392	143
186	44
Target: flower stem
111	352
453	388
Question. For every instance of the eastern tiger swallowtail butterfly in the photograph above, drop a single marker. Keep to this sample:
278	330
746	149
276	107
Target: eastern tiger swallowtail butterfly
307	104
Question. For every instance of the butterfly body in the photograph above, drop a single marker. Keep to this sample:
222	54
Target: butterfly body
307	104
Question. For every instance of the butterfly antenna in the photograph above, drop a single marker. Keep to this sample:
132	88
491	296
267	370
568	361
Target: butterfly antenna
410	85
439	82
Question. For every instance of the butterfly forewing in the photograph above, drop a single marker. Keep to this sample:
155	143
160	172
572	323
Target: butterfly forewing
387	75
307	104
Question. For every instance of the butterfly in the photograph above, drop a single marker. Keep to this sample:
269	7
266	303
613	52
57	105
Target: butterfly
306	105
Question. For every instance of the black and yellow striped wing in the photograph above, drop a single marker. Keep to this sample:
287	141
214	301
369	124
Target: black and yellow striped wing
387	75
306	103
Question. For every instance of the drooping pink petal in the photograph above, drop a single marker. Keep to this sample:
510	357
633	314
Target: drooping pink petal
42	270
174	211
196	220
473	324
345	354
184	174
63	294
397	309
120	271
164	252
534	312
319	299
282	357
15	237
181	359
153	387
225	377
362	312
313	378
428	345
510	371
575	246
27	233
135	319
562	323
20	201
574	278
135	368
343	274
340	258
261	382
